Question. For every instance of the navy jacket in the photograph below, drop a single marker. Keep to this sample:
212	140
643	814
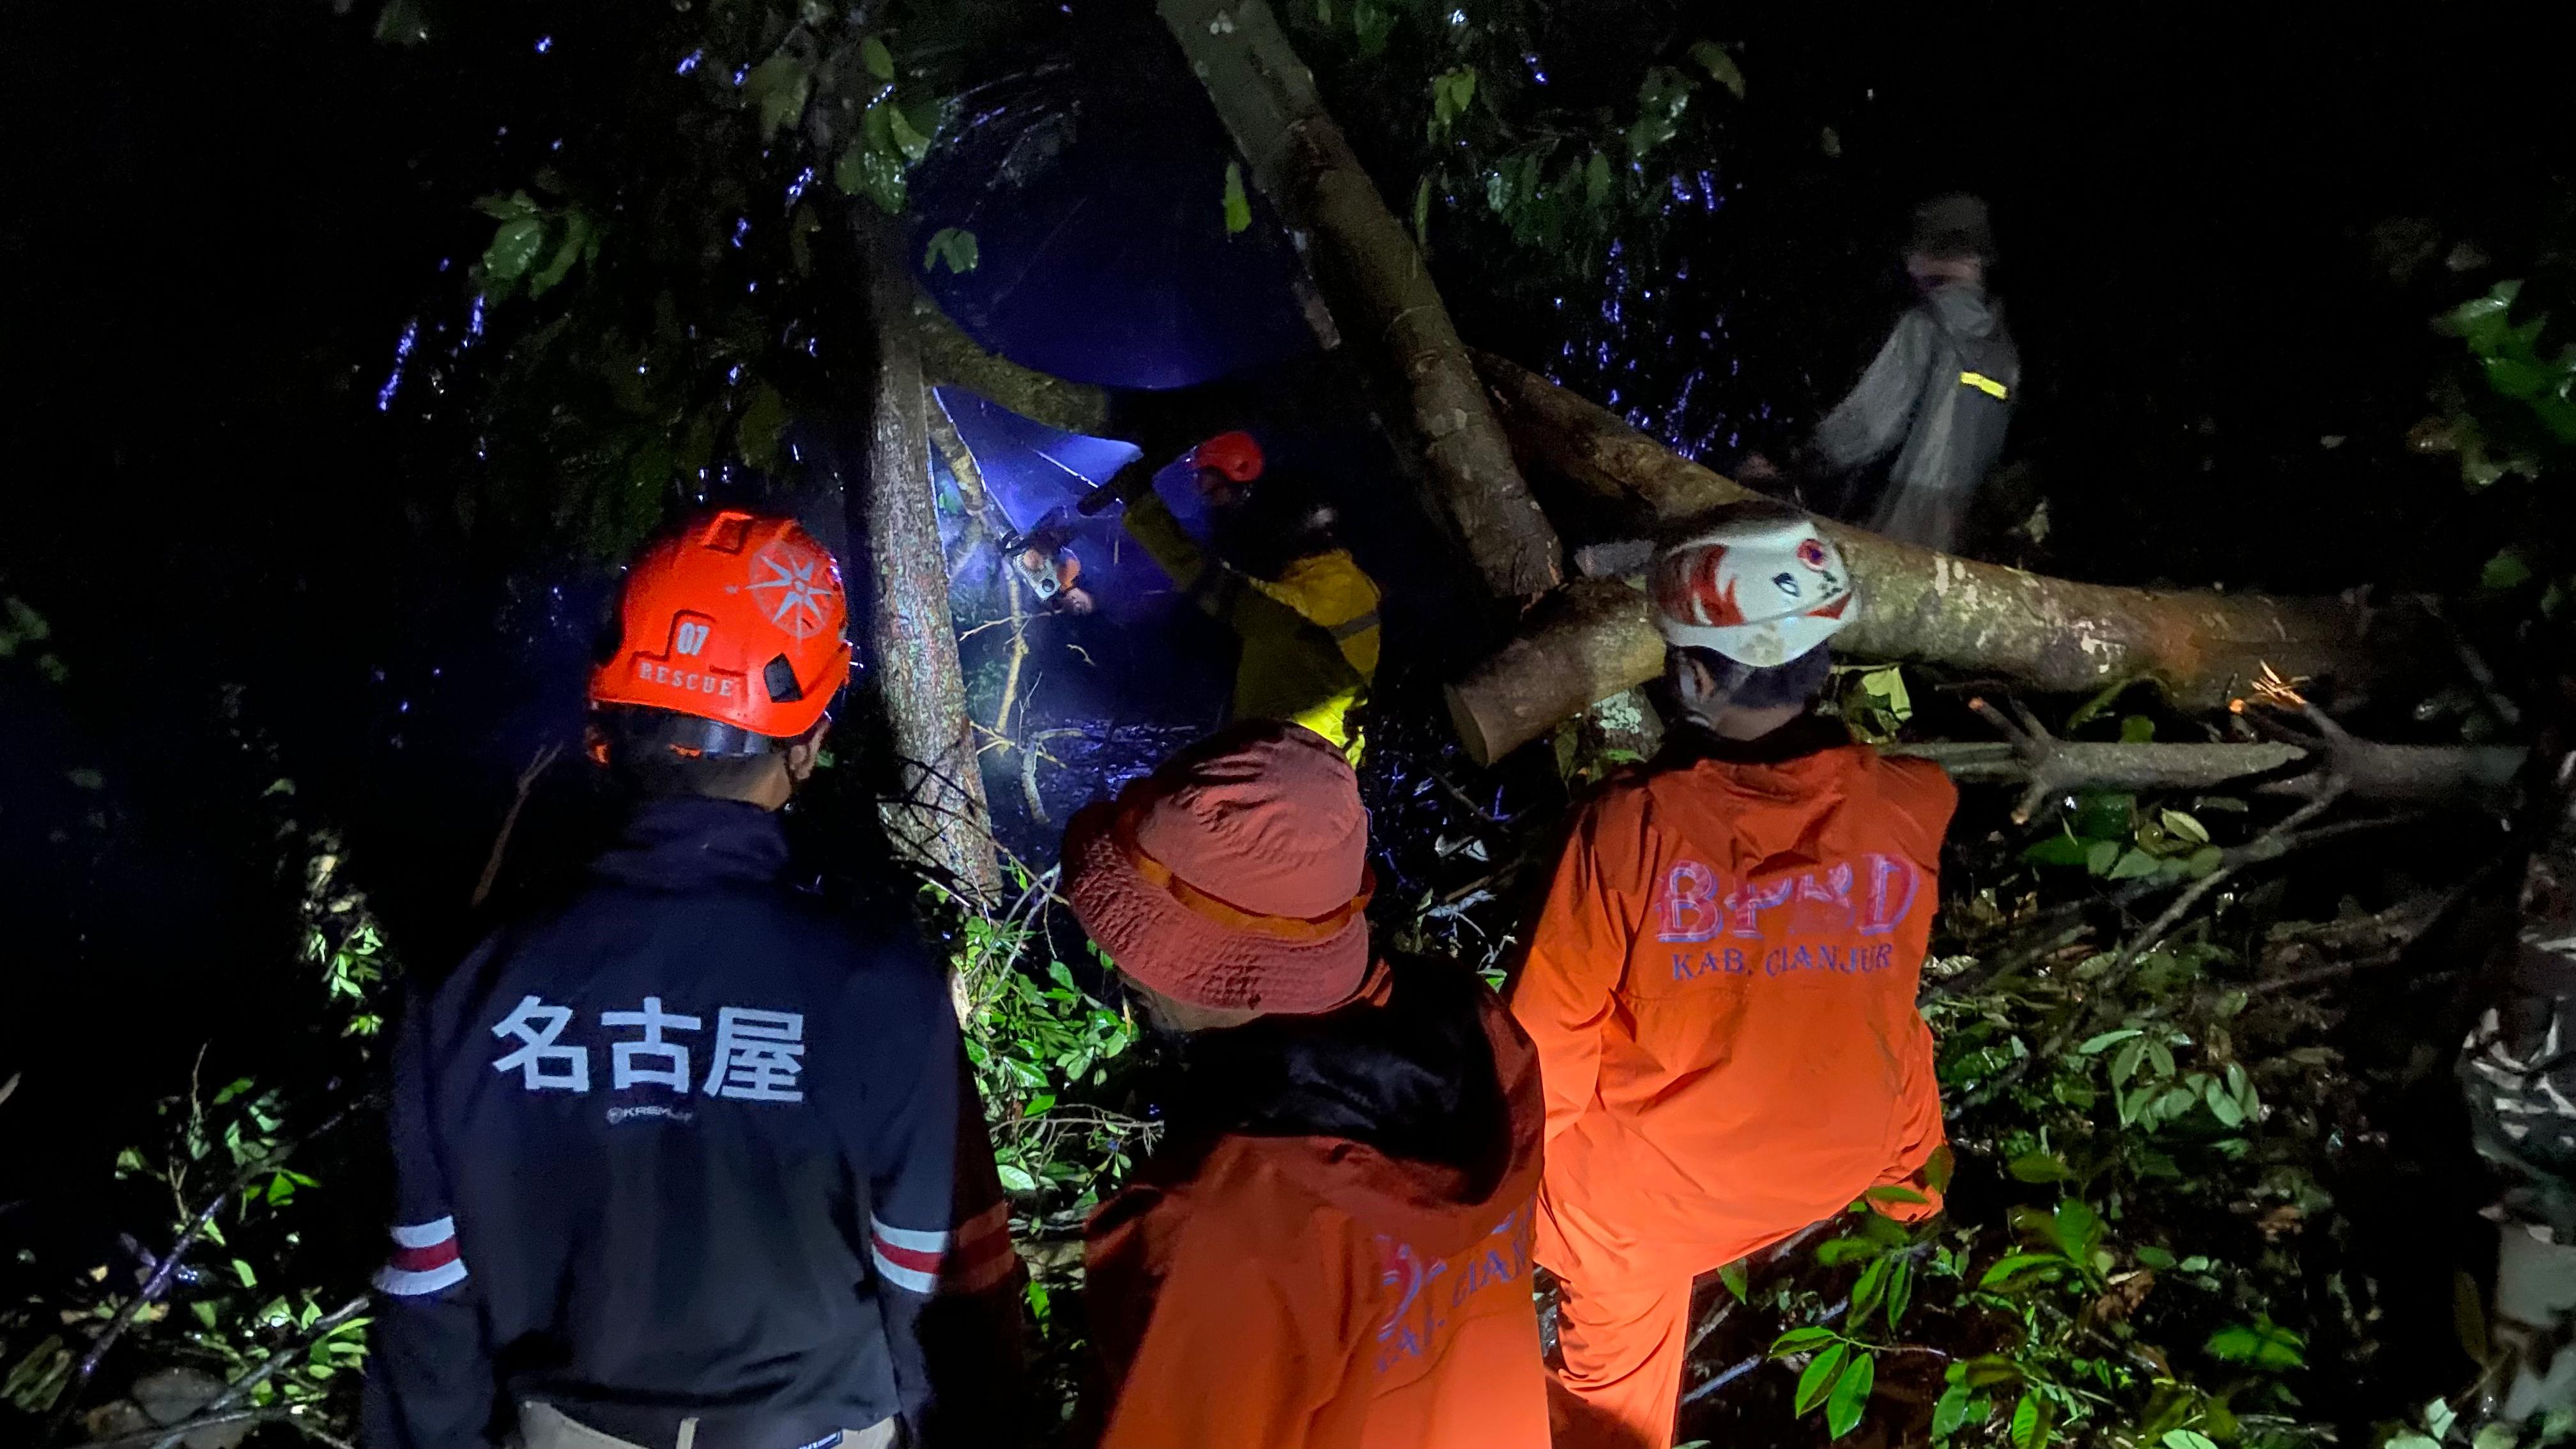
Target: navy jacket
688	1147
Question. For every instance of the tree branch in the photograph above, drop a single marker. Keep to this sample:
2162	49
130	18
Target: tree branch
241	1388
2054	634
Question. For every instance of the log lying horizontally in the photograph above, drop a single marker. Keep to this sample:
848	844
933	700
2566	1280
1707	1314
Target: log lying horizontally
2051	634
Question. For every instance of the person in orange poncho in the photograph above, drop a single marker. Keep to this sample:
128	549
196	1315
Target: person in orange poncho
1330	1250
1721	984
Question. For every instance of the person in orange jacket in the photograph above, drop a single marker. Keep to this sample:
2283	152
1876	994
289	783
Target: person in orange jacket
1721	984
1330	1250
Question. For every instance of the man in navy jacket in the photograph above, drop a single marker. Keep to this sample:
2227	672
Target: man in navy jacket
692	1161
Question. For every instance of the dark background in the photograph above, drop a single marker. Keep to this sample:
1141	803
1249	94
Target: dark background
223	217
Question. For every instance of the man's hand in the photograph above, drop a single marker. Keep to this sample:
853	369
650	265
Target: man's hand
1757	469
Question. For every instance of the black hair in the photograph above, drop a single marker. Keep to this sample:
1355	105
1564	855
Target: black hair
660	754
1749	686
1281	519
1950	227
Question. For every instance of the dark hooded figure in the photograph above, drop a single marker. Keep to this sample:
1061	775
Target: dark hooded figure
1937	396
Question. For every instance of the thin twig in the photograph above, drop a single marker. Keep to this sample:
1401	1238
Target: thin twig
244	1386
510	821
2270	845
168	1270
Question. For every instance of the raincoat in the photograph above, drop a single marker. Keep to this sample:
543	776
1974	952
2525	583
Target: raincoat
1721	990
1310	637
1943	387
1332	1250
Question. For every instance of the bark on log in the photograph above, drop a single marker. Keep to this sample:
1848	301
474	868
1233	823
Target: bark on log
949	356
1373	278
2051	634
2463	776
938	818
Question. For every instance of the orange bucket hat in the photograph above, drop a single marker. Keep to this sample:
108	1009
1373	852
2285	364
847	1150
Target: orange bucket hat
1234	876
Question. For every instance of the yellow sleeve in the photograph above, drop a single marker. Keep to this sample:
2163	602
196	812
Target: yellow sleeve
1151	522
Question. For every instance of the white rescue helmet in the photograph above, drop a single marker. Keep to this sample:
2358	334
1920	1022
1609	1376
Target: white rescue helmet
1762	588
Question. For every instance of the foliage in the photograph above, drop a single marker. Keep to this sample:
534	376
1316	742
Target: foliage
1499	154
1875	701
1039	1043
22	629
243	1292
666	287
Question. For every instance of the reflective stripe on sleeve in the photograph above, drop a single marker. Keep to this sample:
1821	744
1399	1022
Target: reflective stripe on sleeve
425	1259
973	1257
1985	384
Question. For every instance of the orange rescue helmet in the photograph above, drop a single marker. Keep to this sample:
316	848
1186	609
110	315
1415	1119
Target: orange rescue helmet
1235	455
735	617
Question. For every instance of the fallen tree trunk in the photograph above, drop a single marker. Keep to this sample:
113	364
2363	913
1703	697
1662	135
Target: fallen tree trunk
2050	634
937	818
950	357
1373	278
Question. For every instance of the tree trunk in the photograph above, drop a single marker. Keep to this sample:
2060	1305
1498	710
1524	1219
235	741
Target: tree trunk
2051	634
1374	279
949	356
938	818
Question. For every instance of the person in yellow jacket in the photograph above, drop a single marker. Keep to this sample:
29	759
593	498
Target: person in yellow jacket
1306	612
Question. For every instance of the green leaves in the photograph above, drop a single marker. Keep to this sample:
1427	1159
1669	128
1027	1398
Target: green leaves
534	245
1452	92
1238	204
1733	1276
1851	1395
954	248
2508	354
873	165
1662	98
514	248
2033	1423
2038	1167
2262	1344
777	89
878	59
1950	1411
2016	1271
1720	66
1799	1340
2509	569
2187	1439
1818	1378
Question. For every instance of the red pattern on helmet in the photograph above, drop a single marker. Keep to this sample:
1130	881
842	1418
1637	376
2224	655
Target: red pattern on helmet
1687	587
708	607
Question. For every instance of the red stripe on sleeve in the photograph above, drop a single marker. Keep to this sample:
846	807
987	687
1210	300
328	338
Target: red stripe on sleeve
422	1260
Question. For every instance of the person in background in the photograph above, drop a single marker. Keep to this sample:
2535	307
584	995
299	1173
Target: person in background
1721	982
1939	396
1271	569
2517	1074
1330	1248
691	1161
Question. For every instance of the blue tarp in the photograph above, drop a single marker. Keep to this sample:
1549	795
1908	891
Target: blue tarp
1097	198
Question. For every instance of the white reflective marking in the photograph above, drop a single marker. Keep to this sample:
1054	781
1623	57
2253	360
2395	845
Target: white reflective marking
424	1235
